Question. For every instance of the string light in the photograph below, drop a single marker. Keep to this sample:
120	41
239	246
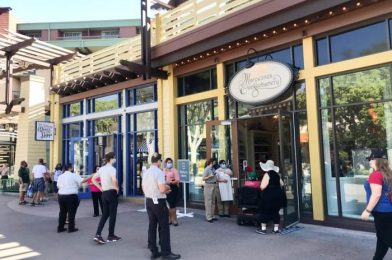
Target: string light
265	35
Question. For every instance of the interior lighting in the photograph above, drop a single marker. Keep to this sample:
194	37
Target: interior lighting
215	51
222	49
274	32
306	21
330	13
208	54
255	38
344	8
358	3
265	35
229	46
246	41
284	29
295	25
238	44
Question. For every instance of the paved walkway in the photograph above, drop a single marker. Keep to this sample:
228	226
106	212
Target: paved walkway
31	232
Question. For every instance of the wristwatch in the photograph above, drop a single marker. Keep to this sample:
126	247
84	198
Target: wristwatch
368	211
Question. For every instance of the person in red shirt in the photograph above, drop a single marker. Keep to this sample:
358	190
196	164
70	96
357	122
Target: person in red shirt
96	194
378	189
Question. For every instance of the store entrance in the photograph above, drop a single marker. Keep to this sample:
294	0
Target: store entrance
244	143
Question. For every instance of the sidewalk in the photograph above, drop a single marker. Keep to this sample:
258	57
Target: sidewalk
28	231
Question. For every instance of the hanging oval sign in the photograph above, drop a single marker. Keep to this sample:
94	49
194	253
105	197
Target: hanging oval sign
261	83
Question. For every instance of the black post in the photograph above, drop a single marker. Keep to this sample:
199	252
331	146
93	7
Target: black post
145	35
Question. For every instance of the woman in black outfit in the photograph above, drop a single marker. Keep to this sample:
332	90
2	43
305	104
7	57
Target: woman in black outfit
272	198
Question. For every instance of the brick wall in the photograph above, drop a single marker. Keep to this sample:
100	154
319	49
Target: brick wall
4	20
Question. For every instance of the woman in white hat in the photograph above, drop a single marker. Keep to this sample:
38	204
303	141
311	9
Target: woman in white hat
272	198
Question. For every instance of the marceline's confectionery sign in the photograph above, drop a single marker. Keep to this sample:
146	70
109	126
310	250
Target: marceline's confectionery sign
261	83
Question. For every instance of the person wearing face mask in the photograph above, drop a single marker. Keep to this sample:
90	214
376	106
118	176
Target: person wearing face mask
379	204
225	194
109	188
173	180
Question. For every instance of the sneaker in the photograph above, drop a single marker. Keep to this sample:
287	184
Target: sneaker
113	238
276	232
99	239
260	231
32	204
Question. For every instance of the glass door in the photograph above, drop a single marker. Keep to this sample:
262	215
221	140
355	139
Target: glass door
78	158
220	145
287	167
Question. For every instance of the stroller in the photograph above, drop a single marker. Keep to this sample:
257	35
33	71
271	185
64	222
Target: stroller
248	201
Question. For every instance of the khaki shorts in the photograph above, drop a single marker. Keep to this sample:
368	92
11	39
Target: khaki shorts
23	187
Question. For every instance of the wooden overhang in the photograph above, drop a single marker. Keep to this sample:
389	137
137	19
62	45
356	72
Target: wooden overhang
20	53
247	22
126	70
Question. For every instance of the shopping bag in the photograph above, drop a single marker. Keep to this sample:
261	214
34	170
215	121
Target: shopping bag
30	191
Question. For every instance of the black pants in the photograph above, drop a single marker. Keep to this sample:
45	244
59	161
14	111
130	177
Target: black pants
68	205
97	198
109	203
158	214
383	223
172	196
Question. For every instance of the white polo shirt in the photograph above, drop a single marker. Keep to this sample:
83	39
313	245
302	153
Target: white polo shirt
152	178
69	183
106	173
39	170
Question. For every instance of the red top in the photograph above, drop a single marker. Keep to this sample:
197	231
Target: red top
93	188
376	178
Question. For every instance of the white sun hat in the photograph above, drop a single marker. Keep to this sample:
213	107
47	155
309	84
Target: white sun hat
269	166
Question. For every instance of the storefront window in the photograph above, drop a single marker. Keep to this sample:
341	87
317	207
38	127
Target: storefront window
73	109
352	44
192	142
198	82
145	121
360	118
145	95
106	126
106	103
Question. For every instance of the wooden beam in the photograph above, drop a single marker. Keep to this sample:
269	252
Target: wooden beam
12	49
143	70
30	67
57	60
123	70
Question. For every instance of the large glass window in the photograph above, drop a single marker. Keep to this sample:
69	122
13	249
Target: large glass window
352	44
73	109
142	95
198	82
192	141
106	126
106	103
358	117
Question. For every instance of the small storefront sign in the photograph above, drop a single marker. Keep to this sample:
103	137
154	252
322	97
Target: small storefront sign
261	83
183	170
44	131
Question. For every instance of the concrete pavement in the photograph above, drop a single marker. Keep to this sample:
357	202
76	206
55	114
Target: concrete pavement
31	232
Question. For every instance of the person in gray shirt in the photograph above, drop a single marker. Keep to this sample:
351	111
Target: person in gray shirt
211	189
155	189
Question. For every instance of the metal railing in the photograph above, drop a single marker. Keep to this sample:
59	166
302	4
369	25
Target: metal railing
93	37
184	18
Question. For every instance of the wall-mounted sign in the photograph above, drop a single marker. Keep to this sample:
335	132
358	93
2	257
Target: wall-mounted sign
183	170
261	83
44	131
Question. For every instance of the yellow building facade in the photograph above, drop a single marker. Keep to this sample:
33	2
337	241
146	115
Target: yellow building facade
318	131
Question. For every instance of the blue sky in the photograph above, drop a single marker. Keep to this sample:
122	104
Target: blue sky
72	10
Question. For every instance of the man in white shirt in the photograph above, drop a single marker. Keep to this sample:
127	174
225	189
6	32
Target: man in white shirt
39	172
68	184
109	188
155	189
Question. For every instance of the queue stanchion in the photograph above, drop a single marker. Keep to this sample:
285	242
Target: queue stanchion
185	213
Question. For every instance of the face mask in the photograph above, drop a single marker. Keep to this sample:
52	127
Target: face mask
113	161
223	166
169	165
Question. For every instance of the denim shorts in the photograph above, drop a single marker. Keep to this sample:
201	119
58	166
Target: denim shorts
39	185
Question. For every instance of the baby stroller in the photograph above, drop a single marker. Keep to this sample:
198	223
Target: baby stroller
248	202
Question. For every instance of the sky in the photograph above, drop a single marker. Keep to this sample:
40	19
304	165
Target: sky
32	11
